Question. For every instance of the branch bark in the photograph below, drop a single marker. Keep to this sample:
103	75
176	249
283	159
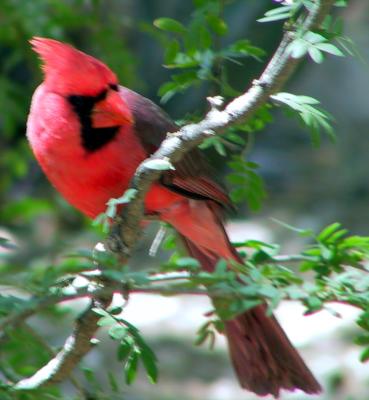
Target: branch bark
126	228
74	348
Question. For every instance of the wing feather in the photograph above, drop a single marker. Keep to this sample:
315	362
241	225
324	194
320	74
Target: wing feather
191	176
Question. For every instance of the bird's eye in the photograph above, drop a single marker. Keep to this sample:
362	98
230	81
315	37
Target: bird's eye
101	95
81	103
114	86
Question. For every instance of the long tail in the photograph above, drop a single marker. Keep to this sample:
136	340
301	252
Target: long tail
263	357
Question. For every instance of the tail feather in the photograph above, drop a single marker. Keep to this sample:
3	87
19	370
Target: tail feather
263	357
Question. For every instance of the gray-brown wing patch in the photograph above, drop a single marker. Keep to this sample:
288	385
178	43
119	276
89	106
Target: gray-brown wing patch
191	175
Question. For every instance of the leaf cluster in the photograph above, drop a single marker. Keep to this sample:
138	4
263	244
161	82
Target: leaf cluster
195	52
131	346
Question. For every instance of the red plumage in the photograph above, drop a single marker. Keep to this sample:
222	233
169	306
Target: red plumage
89	136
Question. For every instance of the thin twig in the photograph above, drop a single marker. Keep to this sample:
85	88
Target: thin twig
38	305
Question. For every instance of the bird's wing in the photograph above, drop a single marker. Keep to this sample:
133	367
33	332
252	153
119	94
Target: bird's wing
191	175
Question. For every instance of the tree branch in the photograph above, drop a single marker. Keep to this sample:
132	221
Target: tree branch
74	348
81	391
126	228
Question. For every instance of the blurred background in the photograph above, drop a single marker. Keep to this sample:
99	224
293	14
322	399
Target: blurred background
307	187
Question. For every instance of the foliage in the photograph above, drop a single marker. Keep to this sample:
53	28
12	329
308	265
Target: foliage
132	347
312	117
336	259
331	268
247	184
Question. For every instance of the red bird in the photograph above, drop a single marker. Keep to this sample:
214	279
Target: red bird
89	135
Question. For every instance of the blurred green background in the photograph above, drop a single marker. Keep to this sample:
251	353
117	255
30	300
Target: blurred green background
307	187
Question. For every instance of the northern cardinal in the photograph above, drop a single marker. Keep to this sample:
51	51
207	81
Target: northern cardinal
89	135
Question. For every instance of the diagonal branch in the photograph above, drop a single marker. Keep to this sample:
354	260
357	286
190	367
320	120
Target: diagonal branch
81	391
75	347
126	229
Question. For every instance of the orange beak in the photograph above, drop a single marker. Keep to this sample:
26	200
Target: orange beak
112	111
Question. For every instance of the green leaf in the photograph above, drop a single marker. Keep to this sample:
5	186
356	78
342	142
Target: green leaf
130	368
363	321
314	117
234	138
217	25
167	91
274	18
301	232
170	25
316	55
243	47
295	293
219	147
184	79
102	219
205	40
202	337
188	262
238	195
330	48
362	339
117	332
10	304
89	375
327	253
268	291
115	310
124	349
298	48
314	38
149	361
248	185
237	179
114	386
279	10
136	347
328	231
364	356
106	321
183	60
221	266
200	3
277	14
100	311
313	303
171	51
249	304
159	164
127	196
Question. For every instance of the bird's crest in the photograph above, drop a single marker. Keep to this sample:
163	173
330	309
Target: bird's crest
68	69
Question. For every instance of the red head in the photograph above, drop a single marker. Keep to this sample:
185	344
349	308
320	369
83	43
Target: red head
70	72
